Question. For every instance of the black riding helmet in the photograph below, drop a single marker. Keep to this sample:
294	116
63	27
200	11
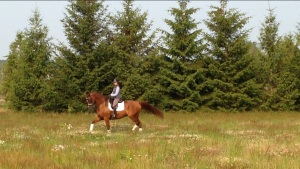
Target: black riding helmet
115	80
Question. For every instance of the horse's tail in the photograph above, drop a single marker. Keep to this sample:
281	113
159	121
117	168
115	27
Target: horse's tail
154	110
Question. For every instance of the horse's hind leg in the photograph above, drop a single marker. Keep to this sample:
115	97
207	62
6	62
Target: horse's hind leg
137	122
107	124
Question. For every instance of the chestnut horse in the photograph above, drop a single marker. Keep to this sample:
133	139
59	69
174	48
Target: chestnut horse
132	110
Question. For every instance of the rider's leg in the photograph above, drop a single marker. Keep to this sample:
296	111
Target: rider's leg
115	104
111	100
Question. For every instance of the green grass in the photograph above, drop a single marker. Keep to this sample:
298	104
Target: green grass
181	140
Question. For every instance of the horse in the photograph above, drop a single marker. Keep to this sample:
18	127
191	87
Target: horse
132	109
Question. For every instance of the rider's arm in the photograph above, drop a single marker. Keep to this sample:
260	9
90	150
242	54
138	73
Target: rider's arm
117	91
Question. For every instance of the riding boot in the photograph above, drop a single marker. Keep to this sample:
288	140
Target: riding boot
115	112
111	100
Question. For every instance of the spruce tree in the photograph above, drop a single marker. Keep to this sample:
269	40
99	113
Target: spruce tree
182	51
286	95
183	43
28	65
10	71
133	44
150	71
2	64
270	59
230	83
79	64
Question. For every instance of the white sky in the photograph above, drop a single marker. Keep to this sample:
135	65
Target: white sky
14	16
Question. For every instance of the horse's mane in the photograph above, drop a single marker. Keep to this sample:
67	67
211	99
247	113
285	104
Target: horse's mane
98	96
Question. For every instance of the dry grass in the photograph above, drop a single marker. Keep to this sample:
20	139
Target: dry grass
181	140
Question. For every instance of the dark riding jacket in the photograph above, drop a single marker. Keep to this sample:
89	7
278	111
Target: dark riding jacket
116	93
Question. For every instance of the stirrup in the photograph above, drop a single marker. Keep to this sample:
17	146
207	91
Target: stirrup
112	117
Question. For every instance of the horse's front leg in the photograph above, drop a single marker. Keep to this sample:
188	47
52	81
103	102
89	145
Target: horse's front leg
94	121
106	119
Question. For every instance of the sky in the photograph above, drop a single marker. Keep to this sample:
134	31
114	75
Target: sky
14	16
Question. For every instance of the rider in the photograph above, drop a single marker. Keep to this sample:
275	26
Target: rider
116	95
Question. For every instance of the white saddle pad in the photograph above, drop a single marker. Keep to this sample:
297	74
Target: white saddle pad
119	108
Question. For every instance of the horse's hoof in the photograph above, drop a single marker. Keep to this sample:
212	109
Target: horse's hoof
108	131
134	127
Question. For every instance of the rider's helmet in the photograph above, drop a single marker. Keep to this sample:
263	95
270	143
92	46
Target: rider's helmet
115	80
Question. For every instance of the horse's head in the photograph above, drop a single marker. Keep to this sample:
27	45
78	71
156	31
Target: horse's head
90	101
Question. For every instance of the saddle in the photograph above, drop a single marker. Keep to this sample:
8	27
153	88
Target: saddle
120	106
111	99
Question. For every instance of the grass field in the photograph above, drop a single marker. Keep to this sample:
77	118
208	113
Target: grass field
182	140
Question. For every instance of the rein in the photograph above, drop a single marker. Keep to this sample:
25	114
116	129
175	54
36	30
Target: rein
91	105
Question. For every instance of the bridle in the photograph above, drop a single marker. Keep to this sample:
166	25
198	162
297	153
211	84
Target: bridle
90	102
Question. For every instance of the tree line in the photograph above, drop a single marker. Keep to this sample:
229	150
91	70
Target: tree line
184	69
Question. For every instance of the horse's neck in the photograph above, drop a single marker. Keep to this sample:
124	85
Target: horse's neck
101	103
99	99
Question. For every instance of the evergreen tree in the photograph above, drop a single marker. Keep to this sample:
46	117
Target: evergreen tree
2	64
183	43
230	83
79	66
29	64
150	69
270	59
286	95
10	71
182	55
133	44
